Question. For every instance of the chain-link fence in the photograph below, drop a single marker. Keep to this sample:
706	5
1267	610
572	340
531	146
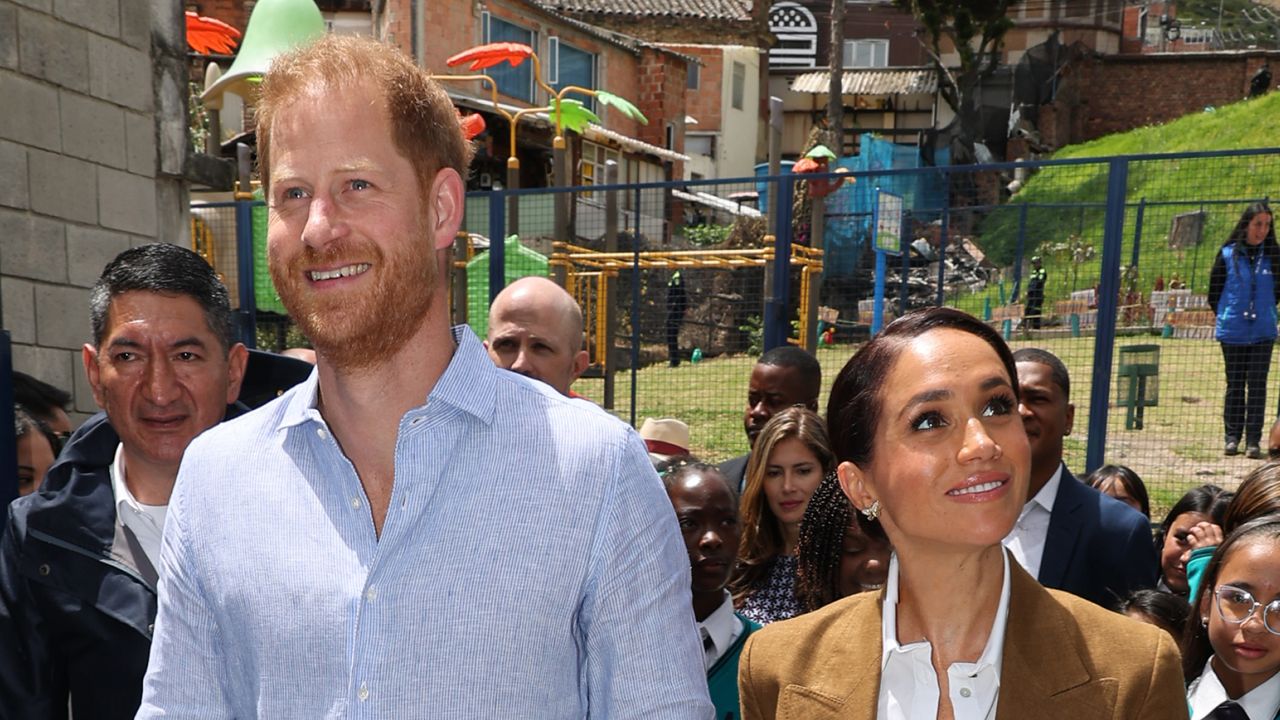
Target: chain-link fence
1104	262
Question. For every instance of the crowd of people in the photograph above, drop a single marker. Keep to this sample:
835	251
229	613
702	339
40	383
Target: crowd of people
427	524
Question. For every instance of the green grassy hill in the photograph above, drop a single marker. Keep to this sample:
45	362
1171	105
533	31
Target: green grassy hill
1066	200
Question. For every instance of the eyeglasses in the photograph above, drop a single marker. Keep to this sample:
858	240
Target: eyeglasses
1237	605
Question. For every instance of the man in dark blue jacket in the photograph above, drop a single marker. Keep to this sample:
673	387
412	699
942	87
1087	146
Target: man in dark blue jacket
78	557
1070	536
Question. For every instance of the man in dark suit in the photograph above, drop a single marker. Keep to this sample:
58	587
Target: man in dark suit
1070	536
782	377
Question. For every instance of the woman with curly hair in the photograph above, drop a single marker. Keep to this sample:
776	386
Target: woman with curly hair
790	457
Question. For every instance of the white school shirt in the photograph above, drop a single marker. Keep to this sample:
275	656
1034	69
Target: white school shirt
1206	693
723	627
908	684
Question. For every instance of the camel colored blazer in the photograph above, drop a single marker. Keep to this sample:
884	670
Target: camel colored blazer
1064	658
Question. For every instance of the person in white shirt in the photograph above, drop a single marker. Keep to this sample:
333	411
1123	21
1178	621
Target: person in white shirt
1231	655
924	423
1069	536
78	562
707	508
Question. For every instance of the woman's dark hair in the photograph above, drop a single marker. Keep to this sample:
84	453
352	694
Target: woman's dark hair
25	422
822	531
853	408
1127	478
762	535
1196	648
1169	611
1258	495
1241	230
1209	500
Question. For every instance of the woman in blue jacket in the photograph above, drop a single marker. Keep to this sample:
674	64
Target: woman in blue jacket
1243	294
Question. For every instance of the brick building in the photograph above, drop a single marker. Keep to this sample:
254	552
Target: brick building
725	109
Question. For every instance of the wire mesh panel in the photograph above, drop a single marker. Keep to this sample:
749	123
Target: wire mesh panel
681	284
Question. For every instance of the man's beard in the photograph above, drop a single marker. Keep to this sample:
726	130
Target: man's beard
357	330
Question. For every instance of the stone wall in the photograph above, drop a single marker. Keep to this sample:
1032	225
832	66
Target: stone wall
93	150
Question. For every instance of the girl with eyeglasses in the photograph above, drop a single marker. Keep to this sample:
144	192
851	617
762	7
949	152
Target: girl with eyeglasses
1231	646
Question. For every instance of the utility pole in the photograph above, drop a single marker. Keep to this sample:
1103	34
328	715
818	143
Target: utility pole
835	90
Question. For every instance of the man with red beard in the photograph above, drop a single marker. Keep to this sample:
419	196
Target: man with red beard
412	532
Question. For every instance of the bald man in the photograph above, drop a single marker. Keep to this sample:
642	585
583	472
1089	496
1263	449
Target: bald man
535	329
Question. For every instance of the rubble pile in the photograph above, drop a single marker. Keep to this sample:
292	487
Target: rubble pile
965	268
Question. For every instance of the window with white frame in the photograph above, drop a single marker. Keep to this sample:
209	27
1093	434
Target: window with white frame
569	65
516	82
866	53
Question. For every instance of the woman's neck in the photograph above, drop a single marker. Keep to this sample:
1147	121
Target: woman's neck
949	599
790	537
1236	684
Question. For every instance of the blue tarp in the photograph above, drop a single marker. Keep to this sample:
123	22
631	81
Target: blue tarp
849	210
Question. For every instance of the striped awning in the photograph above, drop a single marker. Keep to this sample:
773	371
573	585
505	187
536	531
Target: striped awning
871	81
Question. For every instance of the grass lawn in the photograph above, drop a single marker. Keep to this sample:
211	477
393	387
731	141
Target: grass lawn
1180	446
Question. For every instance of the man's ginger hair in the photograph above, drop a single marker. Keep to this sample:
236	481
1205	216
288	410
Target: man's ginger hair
424	123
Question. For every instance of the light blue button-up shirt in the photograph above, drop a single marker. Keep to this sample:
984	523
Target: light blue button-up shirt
530	566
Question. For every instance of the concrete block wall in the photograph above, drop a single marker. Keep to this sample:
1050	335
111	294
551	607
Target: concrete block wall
82	143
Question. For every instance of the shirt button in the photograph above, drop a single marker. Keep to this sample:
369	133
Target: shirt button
321	432
355	503
370	594
364	692
965	692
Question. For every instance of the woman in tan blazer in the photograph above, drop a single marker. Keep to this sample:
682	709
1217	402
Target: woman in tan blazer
924	420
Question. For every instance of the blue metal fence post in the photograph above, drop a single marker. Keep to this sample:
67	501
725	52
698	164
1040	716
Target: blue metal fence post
904	269
247	314
497	243
1137	232
8	443
776	327
1108	301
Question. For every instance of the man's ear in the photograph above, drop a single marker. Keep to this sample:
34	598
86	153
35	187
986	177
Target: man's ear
89	355
448	203
1071	419
237	360
853	482
580	363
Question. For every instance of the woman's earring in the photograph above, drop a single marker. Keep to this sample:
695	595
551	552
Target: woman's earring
872	511
1204	620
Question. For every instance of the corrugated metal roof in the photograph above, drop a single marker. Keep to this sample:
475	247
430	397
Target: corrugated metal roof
709	9
878	81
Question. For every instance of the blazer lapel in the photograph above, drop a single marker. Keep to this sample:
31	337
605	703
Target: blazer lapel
1042	675
1064	527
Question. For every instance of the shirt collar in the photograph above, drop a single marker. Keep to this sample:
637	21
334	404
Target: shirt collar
468	383
1049	492
992	654
1206	693
124	498
721	624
